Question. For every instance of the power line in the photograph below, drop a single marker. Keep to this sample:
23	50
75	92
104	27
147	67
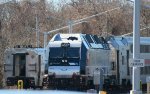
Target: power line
96	15
81	20
74	23
132	32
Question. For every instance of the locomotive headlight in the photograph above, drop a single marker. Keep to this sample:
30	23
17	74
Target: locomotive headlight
65	60
46	75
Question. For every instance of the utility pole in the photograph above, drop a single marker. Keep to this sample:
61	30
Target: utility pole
45	39
70	26
136	48
37	31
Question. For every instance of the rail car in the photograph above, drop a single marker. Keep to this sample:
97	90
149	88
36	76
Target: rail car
121	52
144	54
77	60
26	64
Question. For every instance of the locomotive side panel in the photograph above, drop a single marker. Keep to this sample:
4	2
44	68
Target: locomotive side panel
99	58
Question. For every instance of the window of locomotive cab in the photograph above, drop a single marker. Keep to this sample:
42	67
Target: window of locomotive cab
59	56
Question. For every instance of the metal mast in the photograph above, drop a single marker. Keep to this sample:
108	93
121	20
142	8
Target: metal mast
37	31
136	48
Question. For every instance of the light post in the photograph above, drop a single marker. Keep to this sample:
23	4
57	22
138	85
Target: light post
70	23
45	39
136	48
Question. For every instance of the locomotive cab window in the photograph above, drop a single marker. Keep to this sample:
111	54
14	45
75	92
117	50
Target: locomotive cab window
62	56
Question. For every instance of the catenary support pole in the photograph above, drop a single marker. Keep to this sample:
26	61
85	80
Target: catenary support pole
136	48
45	39
37	32
70	26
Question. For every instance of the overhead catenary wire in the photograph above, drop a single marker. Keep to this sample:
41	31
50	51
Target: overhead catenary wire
82	20
132	32
96	15
75	23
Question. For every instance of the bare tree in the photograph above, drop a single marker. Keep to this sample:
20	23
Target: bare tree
18	24
145	18
115	22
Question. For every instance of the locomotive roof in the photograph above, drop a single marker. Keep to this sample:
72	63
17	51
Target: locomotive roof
94	42
66	37
118	41
143	40
90	41
73	39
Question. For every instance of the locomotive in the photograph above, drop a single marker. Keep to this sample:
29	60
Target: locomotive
76	60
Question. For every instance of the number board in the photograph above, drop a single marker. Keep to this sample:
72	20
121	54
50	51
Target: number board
136	63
